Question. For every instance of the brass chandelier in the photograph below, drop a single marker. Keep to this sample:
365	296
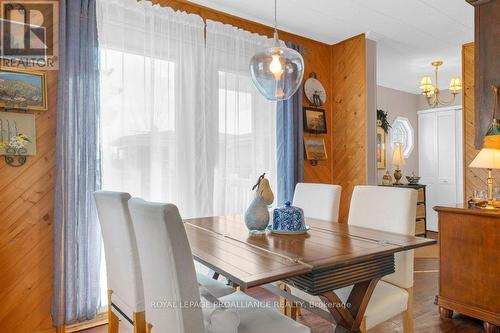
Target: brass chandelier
432	92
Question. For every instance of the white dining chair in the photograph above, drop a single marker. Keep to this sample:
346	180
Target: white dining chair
319	201
389	209
169	278
125	291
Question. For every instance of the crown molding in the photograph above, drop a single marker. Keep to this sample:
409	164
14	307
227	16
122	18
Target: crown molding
477	2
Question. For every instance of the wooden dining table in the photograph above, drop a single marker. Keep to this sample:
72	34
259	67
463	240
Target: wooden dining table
328	257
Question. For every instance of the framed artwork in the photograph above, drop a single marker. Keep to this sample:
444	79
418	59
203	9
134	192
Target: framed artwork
381	155
17	133
315	148
314	120
23	89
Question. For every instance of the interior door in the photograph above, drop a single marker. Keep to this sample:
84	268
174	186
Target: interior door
427	162
427	147
446	187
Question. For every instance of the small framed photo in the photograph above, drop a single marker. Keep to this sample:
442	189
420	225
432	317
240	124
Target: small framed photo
23	89
381	155
17	133
315	148
314	120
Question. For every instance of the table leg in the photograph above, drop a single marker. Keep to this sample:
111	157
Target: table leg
350	315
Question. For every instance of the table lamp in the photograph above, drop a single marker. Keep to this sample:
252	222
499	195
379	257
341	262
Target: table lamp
398	160
488	159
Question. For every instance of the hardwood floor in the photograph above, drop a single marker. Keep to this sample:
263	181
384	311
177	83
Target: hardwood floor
426	317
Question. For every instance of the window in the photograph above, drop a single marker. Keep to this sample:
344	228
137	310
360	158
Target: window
402	132
246	144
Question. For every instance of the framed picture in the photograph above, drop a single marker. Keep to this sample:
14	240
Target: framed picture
23	89
315	148
380	148
314	120
17	133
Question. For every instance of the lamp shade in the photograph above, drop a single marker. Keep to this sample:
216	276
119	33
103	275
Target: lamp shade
487	159
277	72
397	156
455	84
426	83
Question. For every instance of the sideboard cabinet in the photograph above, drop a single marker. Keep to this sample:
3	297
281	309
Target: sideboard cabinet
469	264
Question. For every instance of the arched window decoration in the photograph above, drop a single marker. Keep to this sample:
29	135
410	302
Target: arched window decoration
402	132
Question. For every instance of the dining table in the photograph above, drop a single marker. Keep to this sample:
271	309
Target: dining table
327	257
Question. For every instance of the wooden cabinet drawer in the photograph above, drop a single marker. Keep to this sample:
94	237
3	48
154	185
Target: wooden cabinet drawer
421	195
420	210
420	227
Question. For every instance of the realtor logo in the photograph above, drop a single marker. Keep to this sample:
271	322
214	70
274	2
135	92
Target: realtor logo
29	34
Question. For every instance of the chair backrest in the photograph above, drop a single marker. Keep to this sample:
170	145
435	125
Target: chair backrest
388	209
122	259
319	201
167	268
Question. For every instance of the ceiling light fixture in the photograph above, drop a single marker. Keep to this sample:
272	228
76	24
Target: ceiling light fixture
433	94
277	72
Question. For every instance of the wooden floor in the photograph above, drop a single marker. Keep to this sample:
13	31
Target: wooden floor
426	316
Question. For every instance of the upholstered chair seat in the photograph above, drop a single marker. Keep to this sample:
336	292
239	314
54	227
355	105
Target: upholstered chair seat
169	277
216	288
125	288
387	300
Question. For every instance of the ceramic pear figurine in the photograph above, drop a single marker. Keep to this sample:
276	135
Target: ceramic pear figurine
257	214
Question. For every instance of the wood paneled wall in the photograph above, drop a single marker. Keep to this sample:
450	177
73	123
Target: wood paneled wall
474	179
349	127
26	235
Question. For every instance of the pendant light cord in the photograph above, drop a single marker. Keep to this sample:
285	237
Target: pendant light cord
275	16
275	37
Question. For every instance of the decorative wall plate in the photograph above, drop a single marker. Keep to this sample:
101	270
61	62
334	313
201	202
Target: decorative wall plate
314	90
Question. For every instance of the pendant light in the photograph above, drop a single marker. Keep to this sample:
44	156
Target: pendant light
277	72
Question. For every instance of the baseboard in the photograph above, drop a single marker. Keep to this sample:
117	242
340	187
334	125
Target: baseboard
99	320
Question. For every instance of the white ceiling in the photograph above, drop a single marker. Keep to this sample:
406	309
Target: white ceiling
410	34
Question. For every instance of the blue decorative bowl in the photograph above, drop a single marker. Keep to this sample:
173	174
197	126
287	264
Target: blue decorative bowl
288	218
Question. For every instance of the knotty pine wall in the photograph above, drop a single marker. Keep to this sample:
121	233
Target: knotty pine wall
474	179
349	129
26	196
26	237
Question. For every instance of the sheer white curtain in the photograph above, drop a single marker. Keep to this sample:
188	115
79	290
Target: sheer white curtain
181	122
243	122
152	102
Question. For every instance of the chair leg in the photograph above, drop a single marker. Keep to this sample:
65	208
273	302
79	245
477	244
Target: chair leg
139	322
149	328
408	314
284	303
288	308
113	322
362	327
